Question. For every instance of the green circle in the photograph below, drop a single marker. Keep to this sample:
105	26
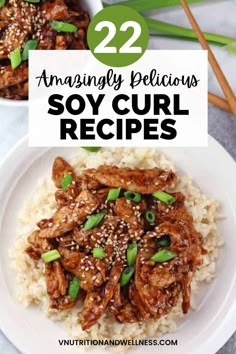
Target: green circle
118	17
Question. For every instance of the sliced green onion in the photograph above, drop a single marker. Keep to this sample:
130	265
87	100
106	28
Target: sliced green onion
169	29
91	148
231	48
163	256
94	220
113	194
29	45
126	275
185	33
15	58
33	1
2	3
61	26
133	196
50	256
145	5
74	288
150	216
98	252
164	197
131	253
66	181
164	241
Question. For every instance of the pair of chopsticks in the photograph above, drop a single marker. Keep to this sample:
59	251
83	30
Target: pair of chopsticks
229	104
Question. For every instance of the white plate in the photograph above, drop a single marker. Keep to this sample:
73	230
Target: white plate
202	331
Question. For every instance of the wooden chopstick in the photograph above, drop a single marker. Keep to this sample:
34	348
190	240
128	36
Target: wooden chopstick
228	92
219	102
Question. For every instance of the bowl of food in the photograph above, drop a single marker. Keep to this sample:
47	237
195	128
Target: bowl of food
44	25
129	245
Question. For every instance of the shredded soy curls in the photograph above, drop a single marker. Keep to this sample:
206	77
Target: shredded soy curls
21	21
96	258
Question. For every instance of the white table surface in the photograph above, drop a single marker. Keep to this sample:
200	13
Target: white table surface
215	16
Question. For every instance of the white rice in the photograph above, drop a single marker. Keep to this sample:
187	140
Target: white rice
31	286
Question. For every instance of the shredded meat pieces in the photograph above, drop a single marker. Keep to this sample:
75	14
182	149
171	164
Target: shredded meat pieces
55	10
158	284
37	245
127	306
96	302
79	184
10	78
89	270
87	240
61	168
62	303
68	217
21	21
57	286
131	213
98	253
57	283
141	181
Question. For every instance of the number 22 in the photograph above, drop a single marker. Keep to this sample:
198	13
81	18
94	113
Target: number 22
127	47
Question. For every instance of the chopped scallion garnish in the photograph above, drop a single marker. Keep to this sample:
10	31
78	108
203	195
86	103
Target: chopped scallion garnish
164	197
2	3
126	276
15	58
50	256
91	148
146	5
74	288
29	45
164	241
133	196
61	26
150	216
163	256
94	220
231	48
132	251
98	252
33	1
66	181
113	194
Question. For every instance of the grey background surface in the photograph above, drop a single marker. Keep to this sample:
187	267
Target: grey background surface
222	126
